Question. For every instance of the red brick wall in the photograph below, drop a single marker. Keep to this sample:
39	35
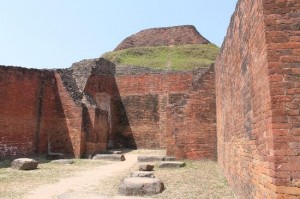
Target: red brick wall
19	110
153	110
100	122
191	120
282	26
69	138
54	130
144	98
37	114
138	111
31	113
255	150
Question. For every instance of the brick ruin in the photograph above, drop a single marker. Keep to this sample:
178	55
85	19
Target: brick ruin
95	104
243	111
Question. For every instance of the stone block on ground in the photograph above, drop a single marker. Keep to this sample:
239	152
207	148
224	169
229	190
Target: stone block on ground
143	174
111	152
136	186
55	156
88	156
110	157
171	164
150	158
169	158
24	164
63	161
146	167
115	152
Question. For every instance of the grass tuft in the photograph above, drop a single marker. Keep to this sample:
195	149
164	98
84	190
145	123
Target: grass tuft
197	180
184	57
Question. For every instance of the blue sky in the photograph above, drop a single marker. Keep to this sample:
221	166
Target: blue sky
57	33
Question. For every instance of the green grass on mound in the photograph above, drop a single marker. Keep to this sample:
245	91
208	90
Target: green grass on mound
182	57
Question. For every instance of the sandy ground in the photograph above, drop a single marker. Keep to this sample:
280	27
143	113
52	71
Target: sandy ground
83	181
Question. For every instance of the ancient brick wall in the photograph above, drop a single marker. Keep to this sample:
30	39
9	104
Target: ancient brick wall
177	35
69	138
31	113
102	89
257	149
282	26
153	114
191	119
54	129
20	110
92	105
142	110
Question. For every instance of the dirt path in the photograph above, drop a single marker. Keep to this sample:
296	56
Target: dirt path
82	181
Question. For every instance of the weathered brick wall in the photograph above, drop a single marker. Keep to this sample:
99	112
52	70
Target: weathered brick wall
20	110
141	110
191	119
86	90
54	129
31	113
69	138
154	117
282	26
177	35
256	146
86	108
33	119
38	114
102	89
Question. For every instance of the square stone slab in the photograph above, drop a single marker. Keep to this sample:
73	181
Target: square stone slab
171	164
110	157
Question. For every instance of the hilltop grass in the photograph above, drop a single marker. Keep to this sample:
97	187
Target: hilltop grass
184	57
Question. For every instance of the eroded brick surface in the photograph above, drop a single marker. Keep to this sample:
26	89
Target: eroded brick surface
256	83
149	112
177	35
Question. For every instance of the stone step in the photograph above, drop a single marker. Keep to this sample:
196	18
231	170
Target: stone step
143	174
110	157
136	186
171	164
111	152
146	167
150	158
55	156
24	164
63	161
169	158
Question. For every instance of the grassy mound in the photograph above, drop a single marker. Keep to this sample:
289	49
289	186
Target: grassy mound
184	57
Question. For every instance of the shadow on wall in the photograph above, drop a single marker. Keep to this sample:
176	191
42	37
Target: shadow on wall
31	113
123	136
55	124
110	113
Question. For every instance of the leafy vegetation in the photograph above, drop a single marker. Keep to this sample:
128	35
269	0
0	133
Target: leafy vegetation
184	57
